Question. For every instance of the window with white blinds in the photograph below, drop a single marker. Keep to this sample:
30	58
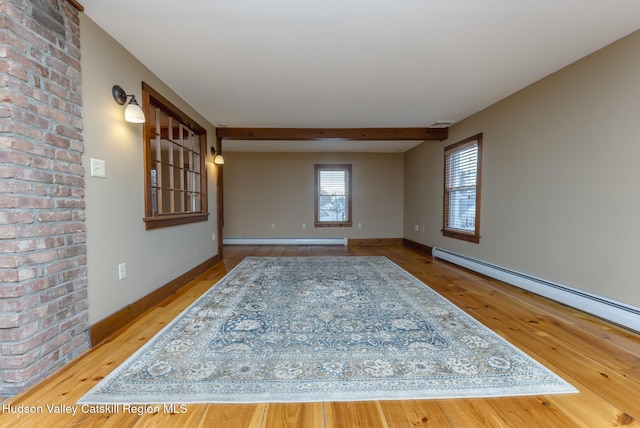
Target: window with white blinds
462	164
333	195
175	173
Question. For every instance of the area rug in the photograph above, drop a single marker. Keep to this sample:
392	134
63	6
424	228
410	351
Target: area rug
309	329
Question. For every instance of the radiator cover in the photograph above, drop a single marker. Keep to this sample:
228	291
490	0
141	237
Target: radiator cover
611	310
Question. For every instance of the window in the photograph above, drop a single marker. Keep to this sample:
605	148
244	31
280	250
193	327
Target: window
175	172
462	162
333	195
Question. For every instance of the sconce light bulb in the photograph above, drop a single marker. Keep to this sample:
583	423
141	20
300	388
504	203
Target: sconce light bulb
133	113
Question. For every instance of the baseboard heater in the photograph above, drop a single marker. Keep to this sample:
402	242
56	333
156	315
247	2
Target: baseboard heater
285	241
611	310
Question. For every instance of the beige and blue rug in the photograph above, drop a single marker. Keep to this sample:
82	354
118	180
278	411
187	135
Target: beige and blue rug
322	329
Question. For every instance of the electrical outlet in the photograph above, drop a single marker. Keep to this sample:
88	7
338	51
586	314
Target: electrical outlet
359	225
304	225
416	228
273	225
122	271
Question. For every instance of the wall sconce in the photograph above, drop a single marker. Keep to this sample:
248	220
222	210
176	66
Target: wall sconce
132	113
217	158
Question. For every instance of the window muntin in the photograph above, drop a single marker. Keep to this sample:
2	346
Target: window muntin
175	172
462	164
333	195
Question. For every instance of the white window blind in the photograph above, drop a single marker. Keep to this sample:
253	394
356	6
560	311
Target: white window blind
333	199
461	187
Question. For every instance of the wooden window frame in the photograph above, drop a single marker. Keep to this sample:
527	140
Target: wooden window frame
157	220
470	236
349	221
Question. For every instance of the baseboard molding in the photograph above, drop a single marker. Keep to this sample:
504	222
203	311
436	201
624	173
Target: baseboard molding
375	241
616	312
417	246
111	324
285	241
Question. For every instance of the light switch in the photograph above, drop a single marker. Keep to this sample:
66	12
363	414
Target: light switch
98	168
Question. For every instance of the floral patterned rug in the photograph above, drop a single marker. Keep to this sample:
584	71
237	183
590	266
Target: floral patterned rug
322	329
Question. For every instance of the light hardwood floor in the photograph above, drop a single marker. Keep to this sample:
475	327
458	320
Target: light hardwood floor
601	360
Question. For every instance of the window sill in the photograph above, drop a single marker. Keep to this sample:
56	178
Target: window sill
469	237
334	224
173	220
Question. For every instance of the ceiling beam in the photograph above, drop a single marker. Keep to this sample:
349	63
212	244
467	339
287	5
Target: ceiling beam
76	5
353	134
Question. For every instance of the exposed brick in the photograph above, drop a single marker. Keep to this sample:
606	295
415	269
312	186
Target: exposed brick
39	189
19	304
11	290
21	347
52	113
55	293
55	344
31	119
71	180
77	169
10	217
26	274
65	228
77	238
13	157
69	132
43	274
18	362
15	334
28	174
56	140
35	230
17	246
8	261
68	156
77	346
22	145
9	320
38	162
72	274
38	313
15	187
38	257
56	242
8	126
25	202
37	285
54	216
8	275
76	250
34	371
12	11
8	232
69	203
59	191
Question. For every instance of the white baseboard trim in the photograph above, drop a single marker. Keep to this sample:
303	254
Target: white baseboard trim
285	241
611	310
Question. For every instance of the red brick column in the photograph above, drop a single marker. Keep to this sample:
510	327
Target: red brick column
43	277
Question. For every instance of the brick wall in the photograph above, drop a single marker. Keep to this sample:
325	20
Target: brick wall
43	278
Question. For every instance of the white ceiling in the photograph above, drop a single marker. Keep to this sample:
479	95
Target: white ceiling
355	63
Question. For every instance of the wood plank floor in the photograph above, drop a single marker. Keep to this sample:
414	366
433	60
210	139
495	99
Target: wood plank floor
601	360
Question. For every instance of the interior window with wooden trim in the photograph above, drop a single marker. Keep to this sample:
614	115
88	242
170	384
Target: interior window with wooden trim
462	172
175	170
333	196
